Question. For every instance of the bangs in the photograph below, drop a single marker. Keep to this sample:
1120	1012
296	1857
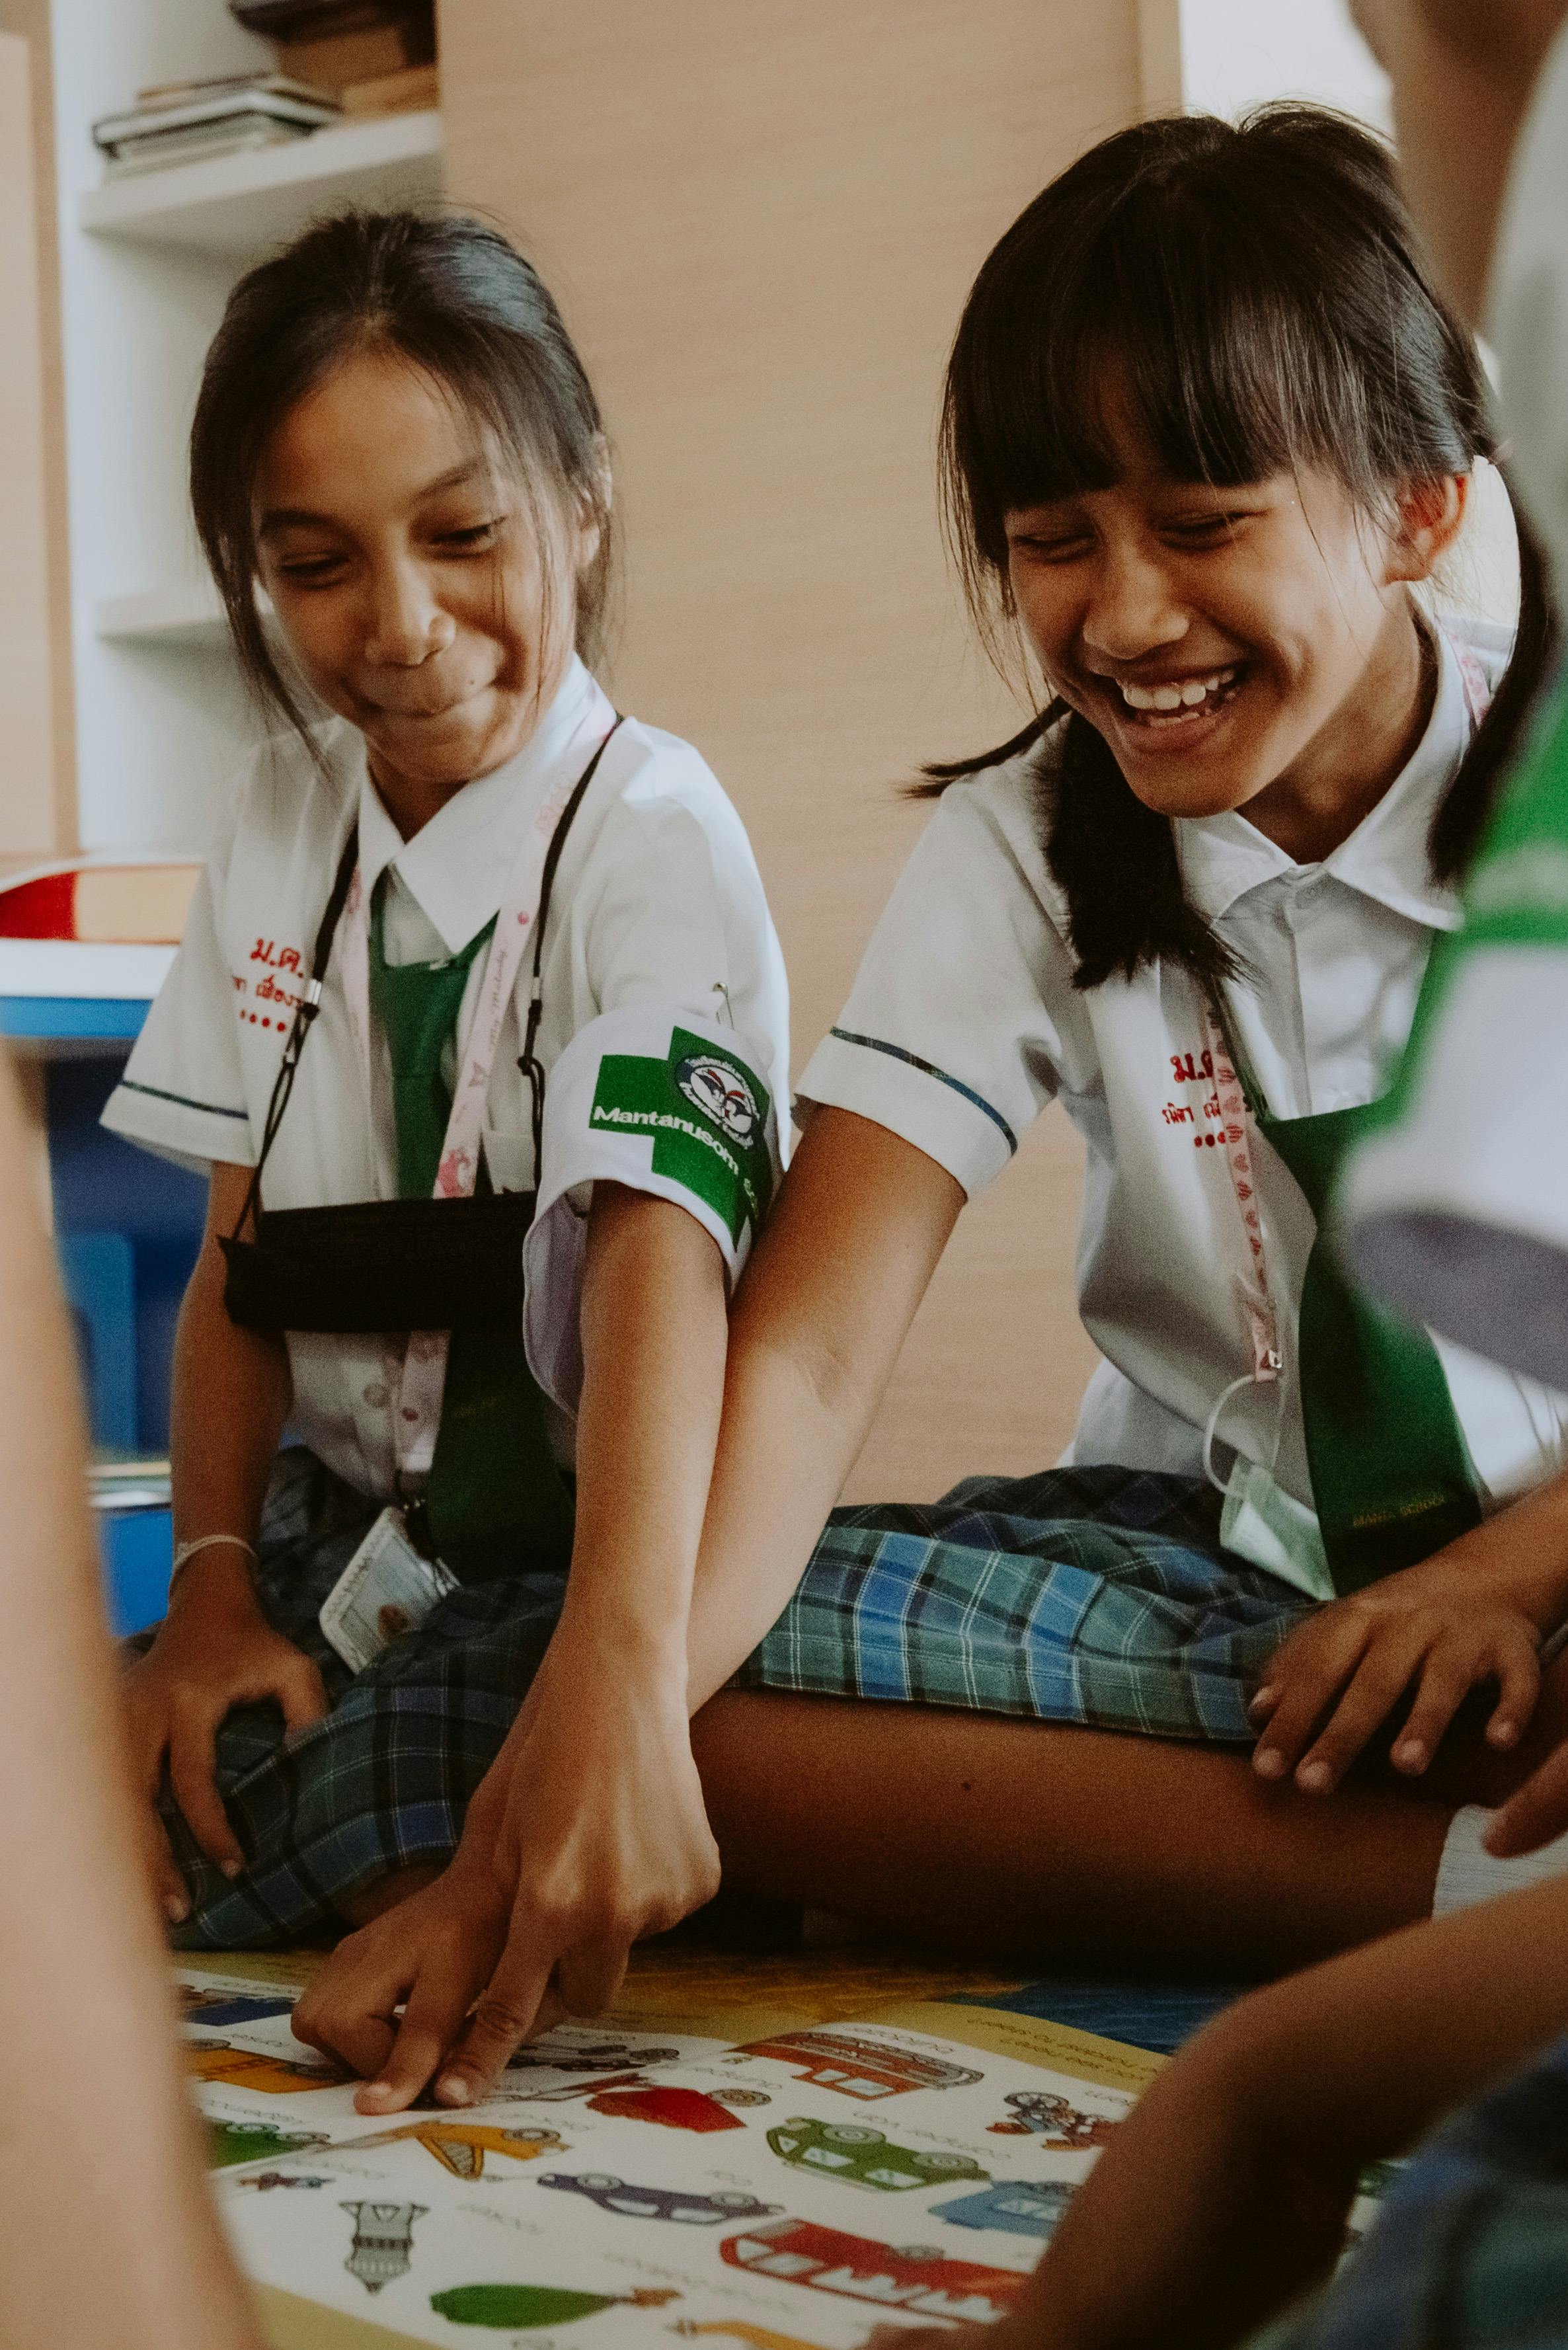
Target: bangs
1238	303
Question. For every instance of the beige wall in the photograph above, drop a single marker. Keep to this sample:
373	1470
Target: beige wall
35	720
762	224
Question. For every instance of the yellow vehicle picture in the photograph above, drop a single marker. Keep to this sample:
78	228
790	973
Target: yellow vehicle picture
863	2157
241	2068
461	2146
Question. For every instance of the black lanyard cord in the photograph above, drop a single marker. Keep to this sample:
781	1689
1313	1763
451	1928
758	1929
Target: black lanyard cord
527	1060
321	953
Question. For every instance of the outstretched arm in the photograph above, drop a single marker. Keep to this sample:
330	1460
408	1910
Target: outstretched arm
109	2241
588	1830
822	1313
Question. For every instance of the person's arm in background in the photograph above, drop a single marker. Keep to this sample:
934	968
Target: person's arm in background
109	2240
1224	2196
215	1649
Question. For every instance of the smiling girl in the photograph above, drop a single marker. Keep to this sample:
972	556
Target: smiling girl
1209	429
478	971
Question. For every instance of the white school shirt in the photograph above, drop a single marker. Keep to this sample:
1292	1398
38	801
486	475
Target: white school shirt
964	1023
658	952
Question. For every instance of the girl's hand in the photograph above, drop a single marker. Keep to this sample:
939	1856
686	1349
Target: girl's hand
1437	1629
1534	1812
588	1834
216	1651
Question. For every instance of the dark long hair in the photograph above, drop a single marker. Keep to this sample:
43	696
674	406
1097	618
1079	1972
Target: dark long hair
455	298
1259	292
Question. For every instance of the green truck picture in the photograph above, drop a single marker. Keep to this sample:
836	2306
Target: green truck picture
863	2157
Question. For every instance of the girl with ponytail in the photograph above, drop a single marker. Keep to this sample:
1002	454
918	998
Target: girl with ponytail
1210	432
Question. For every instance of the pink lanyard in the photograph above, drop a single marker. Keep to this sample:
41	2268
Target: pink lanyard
1236	1118
419	1378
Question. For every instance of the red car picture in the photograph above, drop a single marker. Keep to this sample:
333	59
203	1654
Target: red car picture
861	2068
913	2276
633	2099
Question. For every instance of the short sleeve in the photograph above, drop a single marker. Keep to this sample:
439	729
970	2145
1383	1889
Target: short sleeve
667	1104
947	1039
182	1094
671	1084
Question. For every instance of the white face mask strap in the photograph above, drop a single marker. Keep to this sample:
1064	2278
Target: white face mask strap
1220	1484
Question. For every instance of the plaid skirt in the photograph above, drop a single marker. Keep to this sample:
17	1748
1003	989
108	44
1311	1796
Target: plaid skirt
1098	1595
1469	2250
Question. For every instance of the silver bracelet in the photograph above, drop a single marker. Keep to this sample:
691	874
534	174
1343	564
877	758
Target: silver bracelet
187	1551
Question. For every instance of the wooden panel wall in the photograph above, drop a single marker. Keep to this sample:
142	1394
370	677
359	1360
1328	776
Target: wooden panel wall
762	224
30	794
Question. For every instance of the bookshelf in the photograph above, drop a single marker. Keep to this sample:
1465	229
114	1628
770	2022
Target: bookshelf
161	719
145	265
239	204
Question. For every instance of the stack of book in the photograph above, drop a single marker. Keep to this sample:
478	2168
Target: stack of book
379	57
184	122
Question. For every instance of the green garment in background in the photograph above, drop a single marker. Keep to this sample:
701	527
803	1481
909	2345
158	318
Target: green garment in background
494	1479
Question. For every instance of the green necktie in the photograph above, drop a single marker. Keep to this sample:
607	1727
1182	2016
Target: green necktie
494	1481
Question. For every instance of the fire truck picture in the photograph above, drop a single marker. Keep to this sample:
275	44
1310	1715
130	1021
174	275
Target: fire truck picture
863	2157
1022	2208
915	2277
239	2068
860	2068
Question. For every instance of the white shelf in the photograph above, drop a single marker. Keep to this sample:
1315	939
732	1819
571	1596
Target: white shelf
244	204
65	967
168	616
189	615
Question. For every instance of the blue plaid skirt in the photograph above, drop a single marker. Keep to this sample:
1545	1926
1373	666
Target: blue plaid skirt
1096	1595
1469	2250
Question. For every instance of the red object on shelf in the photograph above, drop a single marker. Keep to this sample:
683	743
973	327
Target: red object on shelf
103	900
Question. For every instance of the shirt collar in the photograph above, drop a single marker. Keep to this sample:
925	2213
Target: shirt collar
457	866
1386	857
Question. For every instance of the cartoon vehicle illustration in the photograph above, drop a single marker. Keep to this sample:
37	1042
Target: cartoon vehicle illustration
603	2056
632	2098
232	2142
382	2250
520	2308
1022	2207
612	2194
862	2157
755	2337
264	2180
914	2276
1059	2122
461	2146
198	2005
240	2068
860	2068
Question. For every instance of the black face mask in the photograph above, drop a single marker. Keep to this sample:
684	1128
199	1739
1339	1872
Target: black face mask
389	1264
